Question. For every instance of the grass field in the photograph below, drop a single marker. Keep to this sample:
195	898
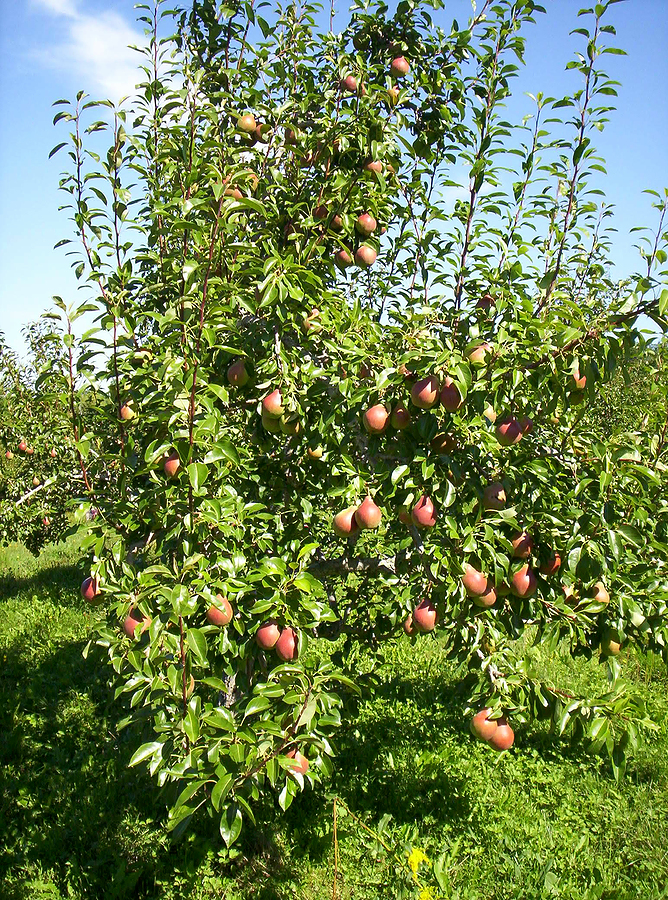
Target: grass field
541	821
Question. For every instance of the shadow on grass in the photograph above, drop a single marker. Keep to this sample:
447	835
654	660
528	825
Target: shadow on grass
62	582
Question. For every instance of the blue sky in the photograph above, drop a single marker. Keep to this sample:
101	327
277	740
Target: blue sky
49	49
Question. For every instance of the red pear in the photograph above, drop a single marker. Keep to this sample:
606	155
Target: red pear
368	515
482	726
133	619
551	565
399	67
300	763
474	581
522	545
287	645
523	583
366	224
237	374
485	303
345	523
443	442
494	496
451	399
126	412
272	404
375	419
424	616
503	737
53	454
373	165
343	259
424	393
220	613
247	123
508	431
9	454
488	596
600	593
267	635
23	446
477	356
579	381
172	464
423	514
365	256
90	588
349	84
400	417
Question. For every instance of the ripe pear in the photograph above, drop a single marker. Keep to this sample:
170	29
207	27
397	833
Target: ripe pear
424	393
487	598
611	642
477	356
345	523
400	418
269	423
312	322
399	67
126	412
425	616
365	256
443	443
375	419
450	397
368	515
221	612
237	375
508	431
551	565
287	646
522	545
423	513
272	404
343	259
131	621
475	582
373	165
579	381
485	303
503	737
600	593
494	496
349	84
482	726
9	454
524	583
289	424
247	123
172	464
366	224
300	763
267	635
90	588
408	626
314	452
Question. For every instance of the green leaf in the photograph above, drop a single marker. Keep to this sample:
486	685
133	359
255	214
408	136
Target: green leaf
197	473
145	751
230	824
196	640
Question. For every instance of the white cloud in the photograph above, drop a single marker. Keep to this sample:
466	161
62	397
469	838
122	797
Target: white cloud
59	7
94	50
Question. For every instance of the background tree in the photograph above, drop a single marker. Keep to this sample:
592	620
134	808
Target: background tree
332	408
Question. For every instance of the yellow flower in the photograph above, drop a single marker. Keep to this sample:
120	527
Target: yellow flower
426	894
415	857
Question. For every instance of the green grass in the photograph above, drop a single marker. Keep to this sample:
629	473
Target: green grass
541	821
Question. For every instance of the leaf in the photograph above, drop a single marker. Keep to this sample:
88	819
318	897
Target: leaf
632	534
145	751
197	473
221	789
222	450
230	824
256	705
398	473
196	640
